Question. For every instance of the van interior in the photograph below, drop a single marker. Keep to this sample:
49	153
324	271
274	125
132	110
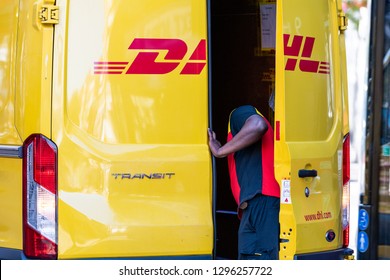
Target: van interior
242	72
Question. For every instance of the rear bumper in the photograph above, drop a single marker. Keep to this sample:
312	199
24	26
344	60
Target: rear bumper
14	254
339	254
11	254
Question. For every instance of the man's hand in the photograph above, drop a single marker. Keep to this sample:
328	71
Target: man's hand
252	131
214	144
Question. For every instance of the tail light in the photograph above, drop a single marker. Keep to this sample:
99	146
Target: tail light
346	191
39	198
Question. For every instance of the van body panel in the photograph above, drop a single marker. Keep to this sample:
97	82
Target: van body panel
8	38
125	91
136	101
344	74
10	167
15	82
25	77
10	203
134	174
309	135
33	68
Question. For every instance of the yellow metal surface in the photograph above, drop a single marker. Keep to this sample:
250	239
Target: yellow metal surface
25	101
10	203
10	168
8	39
309	76
134	175
134	167
344	73
33	67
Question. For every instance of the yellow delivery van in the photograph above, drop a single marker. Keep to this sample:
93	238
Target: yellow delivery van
104	110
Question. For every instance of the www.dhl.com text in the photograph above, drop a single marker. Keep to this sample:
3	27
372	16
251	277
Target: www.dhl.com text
319	216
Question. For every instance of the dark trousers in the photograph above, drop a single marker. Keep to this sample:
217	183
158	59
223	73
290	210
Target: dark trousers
258	234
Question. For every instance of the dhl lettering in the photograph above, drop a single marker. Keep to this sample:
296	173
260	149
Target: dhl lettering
149	49
301	53
145	62
319	216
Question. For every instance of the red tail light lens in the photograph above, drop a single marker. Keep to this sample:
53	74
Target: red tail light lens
346	190
346	160
39	198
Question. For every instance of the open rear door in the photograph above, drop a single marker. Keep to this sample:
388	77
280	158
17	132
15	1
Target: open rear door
310	128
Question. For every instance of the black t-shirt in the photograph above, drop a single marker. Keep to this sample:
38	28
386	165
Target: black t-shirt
248	160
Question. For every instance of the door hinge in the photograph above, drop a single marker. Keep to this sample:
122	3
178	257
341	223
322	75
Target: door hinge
48	14
343	21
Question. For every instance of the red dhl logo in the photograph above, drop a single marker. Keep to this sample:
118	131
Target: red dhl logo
149	49
296	48
145	61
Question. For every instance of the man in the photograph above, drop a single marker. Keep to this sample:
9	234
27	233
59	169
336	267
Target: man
251	166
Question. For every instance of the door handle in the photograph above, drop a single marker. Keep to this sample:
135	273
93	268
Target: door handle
304	173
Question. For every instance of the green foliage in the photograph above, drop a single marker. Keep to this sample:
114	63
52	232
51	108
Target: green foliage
352	10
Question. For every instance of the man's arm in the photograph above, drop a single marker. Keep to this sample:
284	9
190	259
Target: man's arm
254	128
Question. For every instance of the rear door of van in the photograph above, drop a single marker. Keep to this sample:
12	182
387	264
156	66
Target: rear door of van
311	129
10	143
26	38
130	114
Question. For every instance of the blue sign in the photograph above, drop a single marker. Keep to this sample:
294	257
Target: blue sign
362	241
363	219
